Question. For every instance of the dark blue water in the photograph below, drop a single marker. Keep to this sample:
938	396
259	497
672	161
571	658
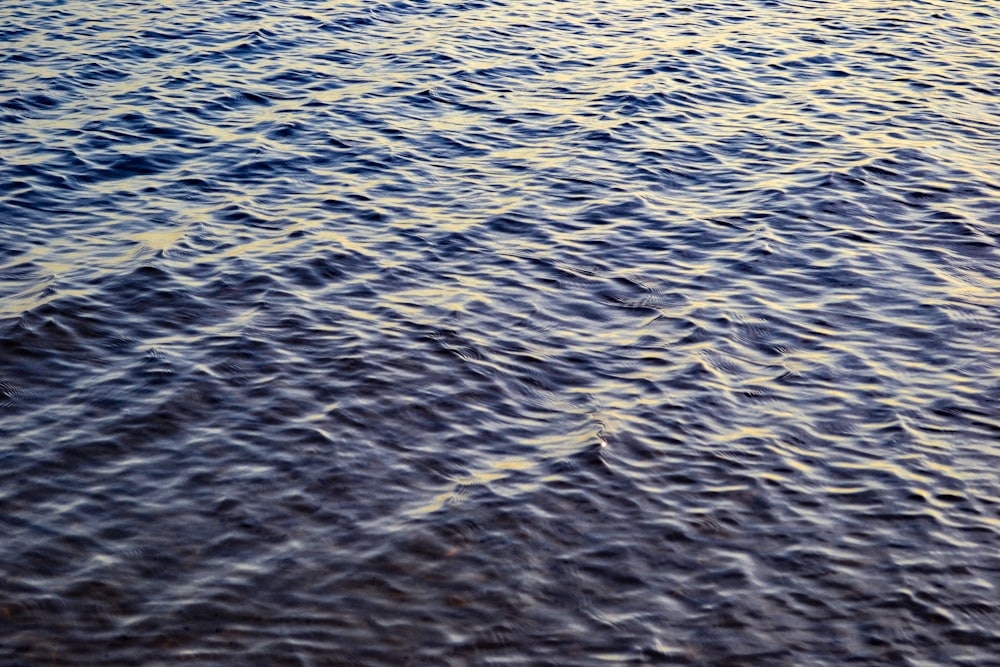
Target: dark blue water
440	332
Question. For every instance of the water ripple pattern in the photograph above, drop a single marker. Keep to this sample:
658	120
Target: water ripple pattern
500	332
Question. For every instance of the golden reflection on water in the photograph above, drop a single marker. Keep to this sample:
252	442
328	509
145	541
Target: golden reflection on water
562	94
495	470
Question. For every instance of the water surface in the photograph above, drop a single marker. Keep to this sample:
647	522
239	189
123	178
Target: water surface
441	332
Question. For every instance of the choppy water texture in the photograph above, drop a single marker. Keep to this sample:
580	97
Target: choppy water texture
500	333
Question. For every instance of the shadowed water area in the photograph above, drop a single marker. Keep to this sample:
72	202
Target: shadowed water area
524	332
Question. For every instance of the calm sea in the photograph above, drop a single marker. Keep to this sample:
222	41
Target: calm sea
500	332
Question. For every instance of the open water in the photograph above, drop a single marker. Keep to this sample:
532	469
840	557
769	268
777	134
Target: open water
500	332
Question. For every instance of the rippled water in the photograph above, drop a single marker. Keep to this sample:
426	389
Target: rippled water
483	332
